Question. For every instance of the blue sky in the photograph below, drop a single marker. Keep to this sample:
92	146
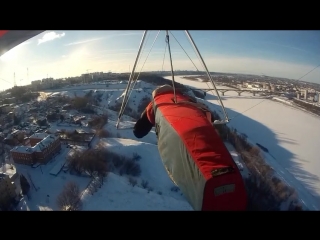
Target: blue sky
59	53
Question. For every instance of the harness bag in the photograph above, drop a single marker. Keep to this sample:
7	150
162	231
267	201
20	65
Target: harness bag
195	157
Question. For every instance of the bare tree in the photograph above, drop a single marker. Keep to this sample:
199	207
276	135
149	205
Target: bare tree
20	137
6	201
96	182
90	162
69	199
132	181
25	186
103	133
93	186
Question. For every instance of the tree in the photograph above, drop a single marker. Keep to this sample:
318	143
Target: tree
52	116
89	162
25	186
5	201
42	122
80	102
16	120
98	122
20	137
103	133
69	199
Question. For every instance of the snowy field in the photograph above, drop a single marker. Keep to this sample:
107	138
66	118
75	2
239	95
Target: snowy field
117	194
291	136
45	187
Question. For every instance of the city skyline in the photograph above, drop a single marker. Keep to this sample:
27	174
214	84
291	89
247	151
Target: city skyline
59	54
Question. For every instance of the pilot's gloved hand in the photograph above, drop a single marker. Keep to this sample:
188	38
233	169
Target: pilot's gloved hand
143	126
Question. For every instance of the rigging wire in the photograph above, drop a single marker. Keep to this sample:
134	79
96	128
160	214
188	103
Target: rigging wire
304	76
135	81
148	53
226	120
268	98
172	73
196	66
138	61
189	56
207	82
130	83
309	72
208	79
167	45
184	51
212	89
131	76
164	55
249	108
191	59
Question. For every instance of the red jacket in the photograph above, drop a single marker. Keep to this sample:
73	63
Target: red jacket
194	154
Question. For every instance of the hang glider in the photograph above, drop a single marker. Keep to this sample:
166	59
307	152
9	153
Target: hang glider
12	38
193	153
132	81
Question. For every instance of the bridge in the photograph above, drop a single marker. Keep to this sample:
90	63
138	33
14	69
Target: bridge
110	88
239	91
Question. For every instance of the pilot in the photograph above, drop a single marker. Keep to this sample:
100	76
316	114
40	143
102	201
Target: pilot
192	152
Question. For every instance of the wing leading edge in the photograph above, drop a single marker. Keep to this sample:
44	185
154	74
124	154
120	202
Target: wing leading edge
11	38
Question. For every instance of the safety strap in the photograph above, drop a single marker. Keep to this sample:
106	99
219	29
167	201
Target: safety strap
208	114
201	106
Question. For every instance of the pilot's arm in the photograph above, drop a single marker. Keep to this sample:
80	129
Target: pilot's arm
145	123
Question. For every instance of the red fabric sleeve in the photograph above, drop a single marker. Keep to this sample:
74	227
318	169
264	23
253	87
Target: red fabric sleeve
150	113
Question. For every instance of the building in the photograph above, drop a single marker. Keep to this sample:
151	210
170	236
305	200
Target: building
7	186
87	77
47	83
5	108
305	94
78	119
37	137
18	110
10	100
77	137
273	88
9	181
43	147
36	83
23	155
46	148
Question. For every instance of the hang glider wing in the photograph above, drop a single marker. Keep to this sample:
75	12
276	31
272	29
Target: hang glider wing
11	38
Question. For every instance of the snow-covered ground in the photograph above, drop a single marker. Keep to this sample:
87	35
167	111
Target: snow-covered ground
288	133
118	194
291	136
46	187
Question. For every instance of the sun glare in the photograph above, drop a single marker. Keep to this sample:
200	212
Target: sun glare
8	56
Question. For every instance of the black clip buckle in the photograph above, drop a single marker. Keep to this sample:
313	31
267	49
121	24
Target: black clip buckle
221	171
